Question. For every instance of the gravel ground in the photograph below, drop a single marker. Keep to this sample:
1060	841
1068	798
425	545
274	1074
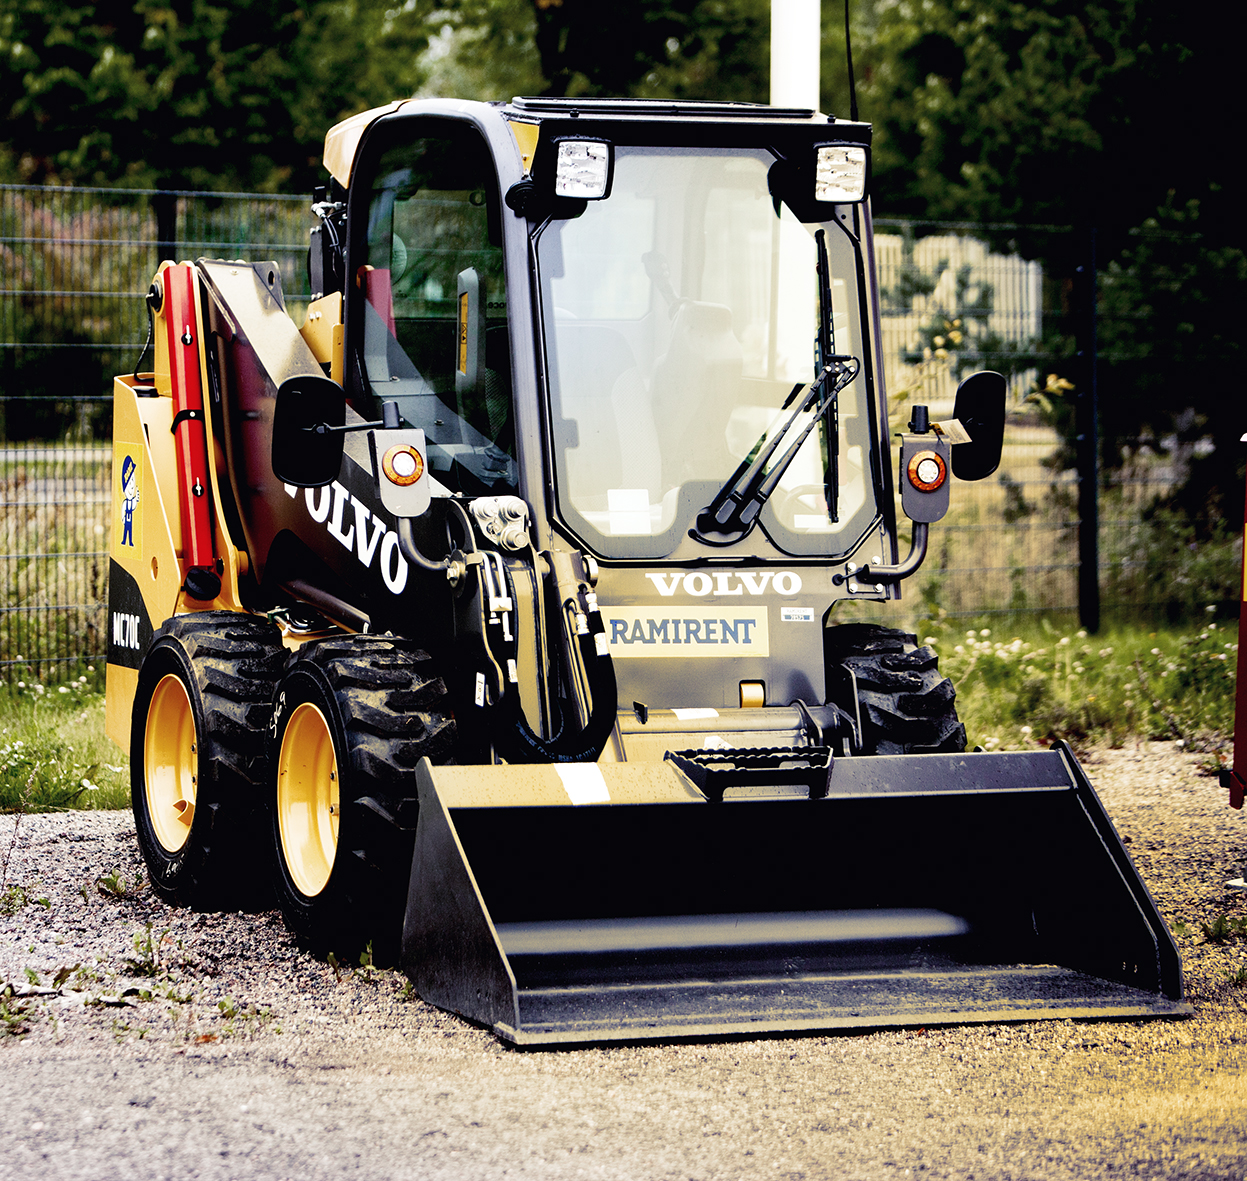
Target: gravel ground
142	1041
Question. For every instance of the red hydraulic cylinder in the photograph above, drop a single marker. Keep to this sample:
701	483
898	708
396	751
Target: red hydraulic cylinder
189	433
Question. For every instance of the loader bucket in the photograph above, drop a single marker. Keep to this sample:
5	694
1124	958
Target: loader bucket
733	895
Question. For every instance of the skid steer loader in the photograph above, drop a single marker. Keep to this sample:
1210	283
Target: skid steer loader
494	606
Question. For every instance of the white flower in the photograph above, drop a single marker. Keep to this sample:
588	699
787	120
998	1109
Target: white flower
63	689
969	636
987	631
1082	635
1155	651
1027	731
929	640
1210	608
1063	640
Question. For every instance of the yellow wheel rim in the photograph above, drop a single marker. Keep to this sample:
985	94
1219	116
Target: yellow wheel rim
170	763
307	799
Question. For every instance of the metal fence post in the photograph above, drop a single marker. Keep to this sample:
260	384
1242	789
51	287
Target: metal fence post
1088	445
166	207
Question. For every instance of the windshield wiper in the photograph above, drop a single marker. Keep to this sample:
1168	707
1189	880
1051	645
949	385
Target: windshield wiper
733	512
826	352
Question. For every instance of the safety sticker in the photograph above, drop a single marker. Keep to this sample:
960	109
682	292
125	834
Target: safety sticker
655	632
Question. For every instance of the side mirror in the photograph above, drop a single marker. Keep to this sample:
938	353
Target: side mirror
980	408
307	431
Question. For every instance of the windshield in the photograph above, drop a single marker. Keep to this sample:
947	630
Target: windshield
679	315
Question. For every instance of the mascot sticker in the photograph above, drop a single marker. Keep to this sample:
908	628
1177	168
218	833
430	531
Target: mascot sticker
128	525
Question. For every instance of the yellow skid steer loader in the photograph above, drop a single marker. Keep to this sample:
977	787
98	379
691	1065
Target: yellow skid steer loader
490	614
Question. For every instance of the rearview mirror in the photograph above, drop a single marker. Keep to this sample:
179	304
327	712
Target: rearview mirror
307	431
980	408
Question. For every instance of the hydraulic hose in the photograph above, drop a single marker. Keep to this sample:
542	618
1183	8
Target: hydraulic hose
517	742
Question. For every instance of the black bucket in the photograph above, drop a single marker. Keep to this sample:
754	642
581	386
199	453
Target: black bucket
591	903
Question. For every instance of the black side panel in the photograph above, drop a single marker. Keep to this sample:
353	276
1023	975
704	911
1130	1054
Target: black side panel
129	627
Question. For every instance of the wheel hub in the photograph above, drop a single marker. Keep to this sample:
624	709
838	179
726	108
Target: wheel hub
308	807
170	757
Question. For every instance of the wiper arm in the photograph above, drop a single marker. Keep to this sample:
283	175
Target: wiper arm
733	512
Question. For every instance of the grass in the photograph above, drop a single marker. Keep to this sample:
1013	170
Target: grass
54	753
1020	685
1024	685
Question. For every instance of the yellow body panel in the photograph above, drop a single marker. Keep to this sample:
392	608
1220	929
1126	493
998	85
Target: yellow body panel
343	138
147	550
323	332
120	685
526	136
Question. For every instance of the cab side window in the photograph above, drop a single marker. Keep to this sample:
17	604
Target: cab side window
435	314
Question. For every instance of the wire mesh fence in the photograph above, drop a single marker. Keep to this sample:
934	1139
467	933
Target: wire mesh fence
75	265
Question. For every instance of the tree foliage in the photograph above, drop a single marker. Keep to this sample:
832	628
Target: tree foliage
211	94
1171	344
1106	114
1053	112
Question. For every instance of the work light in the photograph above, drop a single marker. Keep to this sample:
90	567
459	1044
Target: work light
840	174
583	170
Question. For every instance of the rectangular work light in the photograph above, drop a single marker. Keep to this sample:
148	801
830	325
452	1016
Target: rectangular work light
583	169
840	174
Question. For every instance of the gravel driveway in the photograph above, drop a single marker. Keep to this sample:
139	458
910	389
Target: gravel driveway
157	1043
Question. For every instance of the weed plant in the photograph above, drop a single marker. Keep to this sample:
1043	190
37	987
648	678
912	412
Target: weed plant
54	753
1035	683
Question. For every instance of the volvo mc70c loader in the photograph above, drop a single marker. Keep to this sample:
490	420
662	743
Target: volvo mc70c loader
495	606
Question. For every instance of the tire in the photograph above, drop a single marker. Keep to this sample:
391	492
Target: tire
906	706
197	748
351	719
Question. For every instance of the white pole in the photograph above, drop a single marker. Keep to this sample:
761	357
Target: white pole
795	38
